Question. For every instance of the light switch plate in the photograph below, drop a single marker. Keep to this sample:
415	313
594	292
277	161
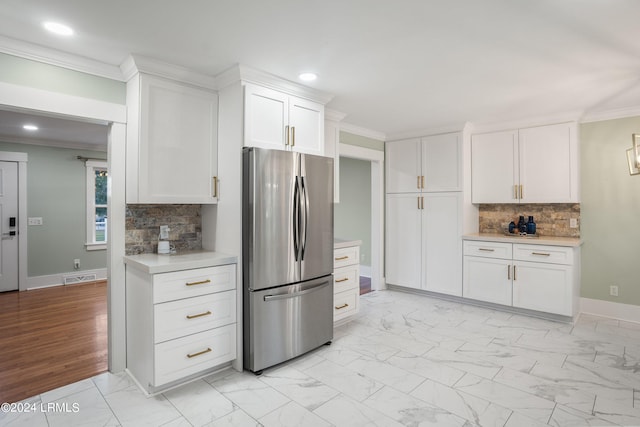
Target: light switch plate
573	222
34	221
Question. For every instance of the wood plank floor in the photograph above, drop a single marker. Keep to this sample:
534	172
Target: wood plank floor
51	337
365	285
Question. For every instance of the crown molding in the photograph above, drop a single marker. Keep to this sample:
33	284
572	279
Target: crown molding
439	130
54	143
612	114
134	64
360	131
333	115
248	74
510	124
58	58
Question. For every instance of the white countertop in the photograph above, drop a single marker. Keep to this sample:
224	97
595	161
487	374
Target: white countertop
541	240
344	243
154	263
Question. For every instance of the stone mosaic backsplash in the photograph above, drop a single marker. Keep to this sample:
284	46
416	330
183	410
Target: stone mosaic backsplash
143	227
552	219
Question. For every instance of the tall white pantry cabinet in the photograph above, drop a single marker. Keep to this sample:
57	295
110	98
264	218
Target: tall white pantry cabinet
424	213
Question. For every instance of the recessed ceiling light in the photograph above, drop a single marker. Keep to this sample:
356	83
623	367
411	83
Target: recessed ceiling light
307	77
30	127
58	28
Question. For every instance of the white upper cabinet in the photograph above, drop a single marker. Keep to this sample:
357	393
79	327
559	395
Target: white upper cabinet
171	141
530	165
274	119
426	164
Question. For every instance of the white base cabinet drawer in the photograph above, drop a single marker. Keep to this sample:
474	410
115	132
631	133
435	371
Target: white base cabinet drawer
345	304
547	254
191	283
189	355
488	249
346	256
346	278
192	315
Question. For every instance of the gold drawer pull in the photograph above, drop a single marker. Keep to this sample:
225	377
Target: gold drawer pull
194	316
486	250
202	282
342	306
540	253
200	353
342	280
342	257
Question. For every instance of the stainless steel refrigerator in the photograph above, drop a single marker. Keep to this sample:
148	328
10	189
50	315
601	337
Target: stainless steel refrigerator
287	255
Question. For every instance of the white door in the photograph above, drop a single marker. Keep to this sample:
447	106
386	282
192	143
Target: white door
543	287
442	243
403	241
9	226
441	162
487	279
266	117
403	166
494	167
306	120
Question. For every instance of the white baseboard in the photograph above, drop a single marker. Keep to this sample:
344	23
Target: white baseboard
613	310
365	271
37	282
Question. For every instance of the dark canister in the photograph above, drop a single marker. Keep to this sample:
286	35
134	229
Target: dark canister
522	225
531	226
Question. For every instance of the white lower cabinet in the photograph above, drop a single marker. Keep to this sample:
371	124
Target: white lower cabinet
179	324
534	277
346	282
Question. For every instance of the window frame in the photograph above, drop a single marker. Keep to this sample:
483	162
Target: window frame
91	244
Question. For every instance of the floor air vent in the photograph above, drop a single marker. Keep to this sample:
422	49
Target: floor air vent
81	278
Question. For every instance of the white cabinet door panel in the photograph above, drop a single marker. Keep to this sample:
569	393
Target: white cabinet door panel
487	279
266	116
545	164
441	243
494	167
403	166
441	162
543	287
403	237
306	118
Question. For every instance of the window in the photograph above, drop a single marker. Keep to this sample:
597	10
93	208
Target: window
96	205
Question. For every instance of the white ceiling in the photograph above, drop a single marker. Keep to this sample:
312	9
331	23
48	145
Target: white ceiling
393	66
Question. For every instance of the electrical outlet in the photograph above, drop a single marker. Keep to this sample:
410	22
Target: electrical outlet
573	222
613	290
76	264
164	232
34	221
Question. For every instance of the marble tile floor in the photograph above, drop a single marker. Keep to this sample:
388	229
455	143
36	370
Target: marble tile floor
405	360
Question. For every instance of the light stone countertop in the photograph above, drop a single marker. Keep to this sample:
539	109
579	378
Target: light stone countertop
345	243
541	240
154	263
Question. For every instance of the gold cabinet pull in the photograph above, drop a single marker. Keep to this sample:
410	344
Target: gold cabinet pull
418	202
342	280
293	136
286	135
340	307
508	272
422	199
195	316
423	181
215	186
486	250
341	258
200	353
540	253
418	177
202	282
521	191
514	272
515	191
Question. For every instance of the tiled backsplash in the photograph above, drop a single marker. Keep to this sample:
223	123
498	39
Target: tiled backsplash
143	227
552	219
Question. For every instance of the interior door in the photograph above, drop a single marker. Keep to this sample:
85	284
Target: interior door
9	226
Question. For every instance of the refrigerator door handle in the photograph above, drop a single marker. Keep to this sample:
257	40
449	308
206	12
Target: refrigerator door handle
305	199
296	219
296	294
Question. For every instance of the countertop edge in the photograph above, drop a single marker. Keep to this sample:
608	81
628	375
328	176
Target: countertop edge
573	242
154	263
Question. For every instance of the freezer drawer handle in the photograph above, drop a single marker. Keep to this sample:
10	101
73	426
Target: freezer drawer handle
202	282
342	257
195	316
342	280
295	294
340	307
200	353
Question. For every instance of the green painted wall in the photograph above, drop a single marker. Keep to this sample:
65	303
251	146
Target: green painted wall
361	141
352	216
609	211
26	72
56	191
